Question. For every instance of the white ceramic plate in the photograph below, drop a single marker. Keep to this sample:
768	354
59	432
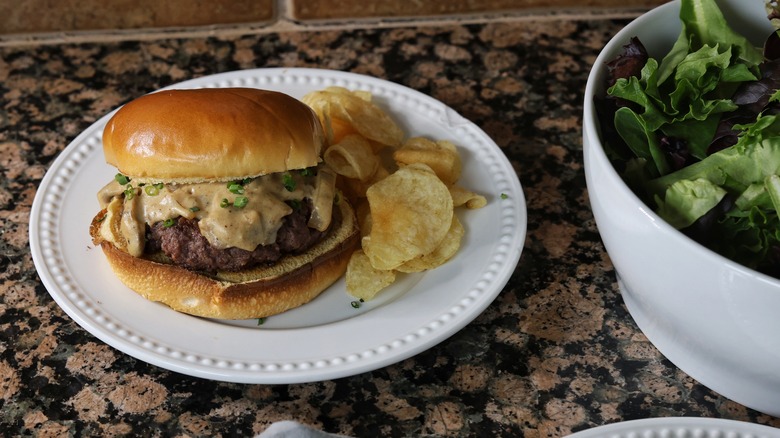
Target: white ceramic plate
324	339
680	427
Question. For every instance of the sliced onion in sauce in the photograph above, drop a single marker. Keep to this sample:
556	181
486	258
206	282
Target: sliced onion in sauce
322	200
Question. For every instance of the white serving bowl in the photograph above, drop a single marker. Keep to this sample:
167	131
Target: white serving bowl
716	320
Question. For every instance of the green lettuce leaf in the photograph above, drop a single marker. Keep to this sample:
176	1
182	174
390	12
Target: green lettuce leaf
748	170
703	24
686	201
685	96
681	108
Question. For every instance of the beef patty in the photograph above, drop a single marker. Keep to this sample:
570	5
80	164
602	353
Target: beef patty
187	247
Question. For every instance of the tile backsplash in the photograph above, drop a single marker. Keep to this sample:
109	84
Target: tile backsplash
341	9
73	16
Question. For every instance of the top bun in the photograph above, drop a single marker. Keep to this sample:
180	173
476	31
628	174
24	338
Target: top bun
212	134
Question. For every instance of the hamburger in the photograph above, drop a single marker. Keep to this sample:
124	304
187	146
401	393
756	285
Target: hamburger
222	206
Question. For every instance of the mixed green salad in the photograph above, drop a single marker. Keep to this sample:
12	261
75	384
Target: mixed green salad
696	135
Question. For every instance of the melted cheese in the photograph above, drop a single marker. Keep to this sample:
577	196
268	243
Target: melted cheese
256	223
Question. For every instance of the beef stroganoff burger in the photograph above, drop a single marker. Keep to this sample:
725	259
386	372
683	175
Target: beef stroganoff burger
222	206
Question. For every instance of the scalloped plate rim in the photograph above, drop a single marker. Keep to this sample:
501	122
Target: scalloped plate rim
680	427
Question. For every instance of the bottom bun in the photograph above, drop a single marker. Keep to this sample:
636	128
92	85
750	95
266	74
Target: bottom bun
254	293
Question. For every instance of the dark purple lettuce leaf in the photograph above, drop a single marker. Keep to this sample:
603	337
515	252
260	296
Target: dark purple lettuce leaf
754	96
676	150
772	46
629	63
725	135
705	229
752	99
616	147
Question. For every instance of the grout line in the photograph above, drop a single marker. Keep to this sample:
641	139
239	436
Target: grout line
284	22
283	9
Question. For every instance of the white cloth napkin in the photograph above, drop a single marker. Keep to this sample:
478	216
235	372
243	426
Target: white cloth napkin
293	429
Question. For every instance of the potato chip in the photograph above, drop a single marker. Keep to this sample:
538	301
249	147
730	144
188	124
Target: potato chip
411	212
353	157
355	189
403	190
363	280
365	95
441	156
336	105
465	197
363	215
445	251
338	130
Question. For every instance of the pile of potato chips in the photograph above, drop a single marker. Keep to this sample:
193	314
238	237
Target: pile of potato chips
404	190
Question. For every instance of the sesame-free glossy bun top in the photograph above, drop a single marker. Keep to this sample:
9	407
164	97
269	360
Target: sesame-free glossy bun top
212	134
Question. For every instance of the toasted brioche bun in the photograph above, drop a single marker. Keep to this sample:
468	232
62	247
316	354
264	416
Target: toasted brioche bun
259	292
208	134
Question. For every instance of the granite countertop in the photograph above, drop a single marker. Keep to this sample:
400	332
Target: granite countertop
556	352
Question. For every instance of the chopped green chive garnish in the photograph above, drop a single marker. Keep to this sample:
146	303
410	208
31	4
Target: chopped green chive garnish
240	201
246	181
121	179
167	223
154	189
289	182
235	188
260	321
309	171
129	192
356	304
195	209
504	196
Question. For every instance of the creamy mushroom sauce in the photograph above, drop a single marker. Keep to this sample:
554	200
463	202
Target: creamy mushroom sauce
221	223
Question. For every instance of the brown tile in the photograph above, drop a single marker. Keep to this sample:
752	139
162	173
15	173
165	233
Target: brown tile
76	15
328	9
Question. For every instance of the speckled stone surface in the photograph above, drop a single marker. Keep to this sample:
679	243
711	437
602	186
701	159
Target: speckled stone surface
555	353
